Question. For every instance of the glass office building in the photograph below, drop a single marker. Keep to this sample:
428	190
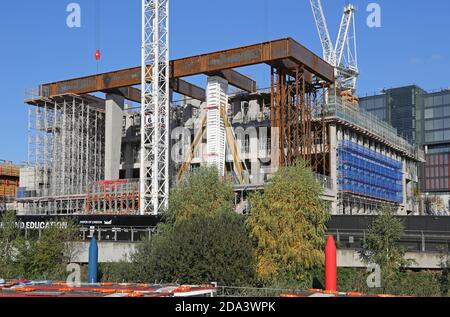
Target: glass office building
402	108
422	118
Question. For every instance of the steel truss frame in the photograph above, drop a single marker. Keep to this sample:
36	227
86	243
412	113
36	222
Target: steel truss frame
155	107
298	110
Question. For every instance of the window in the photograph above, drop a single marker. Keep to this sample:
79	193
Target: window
447	135
428	113
438	124
446	99
438	100
438	136
438	112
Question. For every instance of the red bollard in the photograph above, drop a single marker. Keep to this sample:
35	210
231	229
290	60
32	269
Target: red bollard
330	265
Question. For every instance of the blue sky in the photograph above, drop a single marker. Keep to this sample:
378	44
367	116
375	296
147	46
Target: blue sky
412	46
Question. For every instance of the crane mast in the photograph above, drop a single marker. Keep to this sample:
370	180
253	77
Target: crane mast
322	27
155	107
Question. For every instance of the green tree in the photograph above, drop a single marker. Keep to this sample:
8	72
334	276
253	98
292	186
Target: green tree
288	226
381	247
444	276
50	254
202	240
8	245
198	250
35	257
201	193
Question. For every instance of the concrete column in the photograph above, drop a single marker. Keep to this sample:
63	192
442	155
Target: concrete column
334	166
113	135
129	161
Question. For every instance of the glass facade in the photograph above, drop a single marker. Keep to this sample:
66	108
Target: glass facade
436	172
423	118
437	118
400	107
376	105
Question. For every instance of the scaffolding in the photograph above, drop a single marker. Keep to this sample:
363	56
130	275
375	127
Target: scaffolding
113	198
66	137
365	172
9	181
341	110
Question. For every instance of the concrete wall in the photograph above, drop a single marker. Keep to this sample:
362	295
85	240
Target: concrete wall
350	258
117	251
107	251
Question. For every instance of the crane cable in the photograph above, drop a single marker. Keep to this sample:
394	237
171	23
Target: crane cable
97	24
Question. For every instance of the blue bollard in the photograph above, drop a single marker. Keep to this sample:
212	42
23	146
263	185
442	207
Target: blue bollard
93	261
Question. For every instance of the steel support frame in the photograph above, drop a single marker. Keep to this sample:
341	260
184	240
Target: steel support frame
155	107
298	109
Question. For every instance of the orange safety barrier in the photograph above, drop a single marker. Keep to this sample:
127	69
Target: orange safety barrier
25	289
315	290
354	294
330	292
291	295
183	289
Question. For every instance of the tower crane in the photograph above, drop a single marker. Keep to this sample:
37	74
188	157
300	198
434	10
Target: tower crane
155	107
343	55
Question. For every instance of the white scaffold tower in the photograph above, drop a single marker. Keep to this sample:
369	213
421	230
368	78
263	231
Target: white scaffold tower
155	111
217	104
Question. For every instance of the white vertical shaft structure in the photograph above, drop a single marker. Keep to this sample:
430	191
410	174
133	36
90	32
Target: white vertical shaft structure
154	171
217	100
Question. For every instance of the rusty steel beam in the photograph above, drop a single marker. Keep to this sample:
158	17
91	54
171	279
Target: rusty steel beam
119	80
188	89
131	77
285	53
236	79
178	85
129	93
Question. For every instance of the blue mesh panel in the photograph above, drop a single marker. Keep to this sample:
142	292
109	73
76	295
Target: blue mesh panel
368	173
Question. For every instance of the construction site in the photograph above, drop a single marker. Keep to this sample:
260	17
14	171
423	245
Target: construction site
92	151
9	182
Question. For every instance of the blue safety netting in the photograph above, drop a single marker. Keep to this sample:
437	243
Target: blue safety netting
365	172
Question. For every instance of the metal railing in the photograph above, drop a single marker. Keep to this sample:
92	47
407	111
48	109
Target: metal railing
325	181
339	109
412	240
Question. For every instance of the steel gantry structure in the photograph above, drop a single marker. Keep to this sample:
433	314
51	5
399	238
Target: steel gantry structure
299	79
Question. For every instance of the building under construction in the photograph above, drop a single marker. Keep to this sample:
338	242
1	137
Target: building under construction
85	152
9	182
